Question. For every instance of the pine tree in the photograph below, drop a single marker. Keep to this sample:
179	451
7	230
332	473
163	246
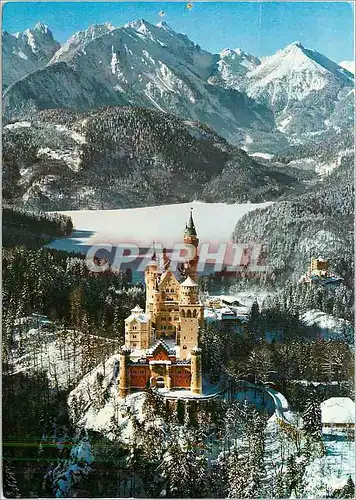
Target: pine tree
10	487
312	425
348	490
237	476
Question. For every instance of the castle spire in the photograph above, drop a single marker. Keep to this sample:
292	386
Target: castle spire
154	256
190	227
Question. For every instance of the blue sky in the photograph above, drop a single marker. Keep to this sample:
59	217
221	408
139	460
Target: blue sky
258	28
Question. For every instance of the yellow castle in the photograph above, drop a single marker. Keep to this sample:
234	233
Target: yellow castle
161	343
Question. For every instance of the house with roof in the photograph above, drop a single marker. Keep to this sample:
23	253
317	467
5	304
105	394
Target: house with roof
338	413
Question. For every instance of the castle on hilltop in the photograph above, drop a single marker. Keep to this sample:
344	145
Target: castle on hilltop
161	343
319	273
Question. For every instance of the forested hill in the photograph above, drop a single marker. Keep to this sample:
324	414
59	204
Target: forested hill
33	230
128	157
319	222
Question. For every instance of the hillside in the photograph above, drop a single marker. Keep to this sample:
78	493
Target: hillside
128	157
320	154
318	222
20	227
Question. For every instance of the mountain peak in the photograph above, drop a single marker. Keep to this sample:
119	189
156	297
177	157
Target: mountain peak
164	25
139	24
42	28
297	44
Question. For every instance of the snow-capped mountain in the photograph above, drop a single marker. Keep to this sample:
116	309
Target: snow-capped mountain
79	40
26	51
143	65
232	67
301	86
257	104
349	65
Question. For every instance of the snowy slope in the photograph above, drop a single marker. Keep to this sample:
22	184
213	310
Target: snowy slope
78	41
330	326
349	65
296	78
232	67
331	471
26	51
62	355
292	74
304	88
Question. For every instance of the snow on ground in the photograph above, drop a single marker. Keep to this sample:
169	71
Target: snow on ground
61	354
165	224
96	413
282	410
13	126
331	471
265	156
331	327
69	156
247	298
209	391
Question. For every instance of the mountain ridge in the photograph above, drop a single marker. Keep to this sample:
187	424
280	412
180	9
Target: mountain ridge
257	104
127	157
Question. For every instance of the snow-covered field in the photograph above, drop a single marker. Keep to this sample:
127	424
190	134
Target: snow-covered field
331	327
331	471
63	355
165	224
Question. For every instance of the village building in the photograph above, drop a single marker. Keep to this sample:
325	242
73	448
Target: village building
161	343
338	413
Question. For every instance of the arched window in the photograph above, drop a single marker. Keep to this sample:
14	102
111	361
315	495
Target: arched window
184	347
183	313
189	313
194	313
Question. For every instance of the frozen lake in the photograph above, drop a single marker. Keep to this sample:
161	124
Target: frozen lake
165	224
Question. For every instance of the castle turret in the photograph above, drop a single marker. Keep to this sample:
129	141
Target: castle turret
196	384
188	292
123	373
190	314
191	240
137	329
151	277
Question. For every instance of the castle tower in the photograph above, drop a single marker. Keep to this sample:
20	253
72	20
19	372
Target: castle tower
137	329
191	240
196	384
151	276
190	317
188	292
123	373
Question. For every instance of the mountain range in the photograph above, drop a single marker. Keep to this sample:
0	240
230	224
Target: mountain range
25	52
257	104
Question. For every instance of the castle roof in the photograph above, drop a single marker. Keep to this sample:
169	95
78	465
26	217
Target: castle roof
137	314
338	411
167	275
189	282
161	344
137	309
190	227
